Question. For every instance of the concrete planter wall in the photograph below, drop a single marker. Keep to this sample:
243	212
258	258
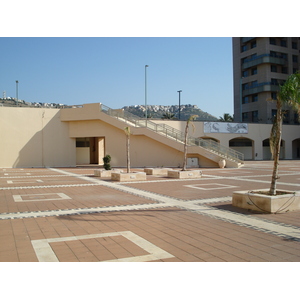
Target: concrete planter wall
157	171
266	203
138	176
105	173
185	174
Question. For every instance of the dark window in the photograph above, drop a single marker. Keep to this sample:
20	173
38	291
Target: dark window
255	116
274	95
254	71
294	45
245	100
273	68
283	43
245	74
82	142
240	143
284	70
245	117
244	48
272	41
255	98
253	44
286	117
295	58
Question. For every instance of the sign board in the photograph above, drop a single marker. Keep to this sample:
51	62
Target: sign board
224	127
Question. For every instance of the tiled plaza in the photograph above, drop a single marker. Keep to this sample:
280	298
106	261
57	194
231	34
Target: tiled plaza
69	215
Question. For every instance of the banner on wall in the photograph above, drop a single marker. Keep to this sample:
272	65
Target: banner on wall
223	127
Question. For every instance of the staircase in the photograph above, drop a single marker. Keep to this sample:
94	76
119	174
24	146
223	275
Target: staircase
212	148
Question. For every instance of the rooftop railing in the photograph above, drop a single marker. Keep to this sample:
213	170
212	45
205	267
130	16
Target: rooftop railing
173	133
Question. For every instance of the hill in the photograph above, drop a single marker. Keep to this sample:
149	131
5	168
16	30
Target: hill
166	112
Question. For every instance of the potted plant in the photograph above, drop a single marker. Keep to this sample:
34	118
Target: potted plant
271	200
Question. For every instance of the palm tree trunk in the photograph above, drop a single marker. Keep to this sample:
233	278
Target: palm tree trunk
276	150
128	153
185	147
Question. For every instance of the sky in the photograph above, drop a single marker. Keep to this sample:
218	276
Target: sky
111	70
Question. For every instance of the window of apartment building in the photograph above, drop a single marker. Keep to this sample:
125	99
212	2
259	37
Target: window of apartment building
295	70
272	41
286	117
284	70
245	100
295	58
296	118
253	44
274	95
245	73
294	45
245	86
255	98
273	68
245	117
255	116
274	81
254	71
283	43
243	48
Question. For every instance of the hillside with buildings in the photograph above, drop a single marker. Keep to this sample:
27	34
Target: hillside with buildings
170	112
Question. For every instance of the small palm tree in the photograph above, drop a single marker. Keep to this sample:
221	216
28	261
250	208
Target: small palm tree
189	120
127	132
226	118
168	115
289	93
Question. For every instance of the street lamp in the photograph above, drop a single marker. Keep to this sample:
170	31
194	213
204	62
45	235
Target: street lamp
17	82
179	103
146	66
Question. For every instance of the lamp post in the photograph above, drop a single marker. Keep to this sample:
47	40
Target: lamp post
179	103
17	82
146	66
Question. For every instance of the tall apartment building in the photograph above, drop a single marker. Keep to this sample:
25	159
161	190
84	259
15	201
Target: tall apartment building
260	65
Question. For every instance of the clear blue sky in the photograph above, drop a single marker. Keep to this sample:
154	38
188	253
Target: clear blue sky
111	70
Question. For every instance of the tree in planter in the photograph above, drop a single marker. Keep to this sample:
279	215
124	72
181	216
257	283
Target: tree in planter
106	161
127	132
189	120
289	93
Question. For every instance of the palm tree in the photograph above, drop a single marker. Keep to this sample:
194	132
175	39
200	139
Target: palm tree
189	120
226	118
127	132
168	115
289	93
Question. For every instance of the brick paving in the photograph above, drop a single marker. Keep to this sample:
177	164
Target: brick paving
67	214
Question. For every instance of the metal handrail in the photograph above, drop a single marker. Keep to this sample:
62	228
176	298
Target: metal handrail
173	133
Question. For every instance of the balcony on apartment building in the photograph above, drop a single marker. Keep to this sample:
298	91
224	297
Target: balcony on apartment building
256	88
263	59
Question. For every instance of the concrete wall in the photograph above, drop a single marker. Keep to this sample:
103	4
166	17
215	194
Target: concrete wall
34	137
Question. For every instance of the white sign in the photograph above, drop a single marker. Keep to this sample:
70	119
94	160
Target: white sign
223	127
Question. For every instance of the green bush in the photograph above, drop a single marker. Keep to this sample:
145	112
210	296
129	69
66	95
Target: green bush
106	161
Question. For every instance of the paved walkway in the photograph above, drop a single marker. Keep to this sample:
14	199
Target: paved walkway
67	214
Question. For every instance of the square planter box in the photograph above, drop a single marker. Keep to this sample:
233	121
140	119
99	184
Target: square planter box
185	174
266	203
104	173
138	176
157	171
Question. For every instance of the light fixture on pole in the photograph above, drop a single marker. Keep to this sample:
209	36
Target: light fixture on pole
146	66
17	82
179	103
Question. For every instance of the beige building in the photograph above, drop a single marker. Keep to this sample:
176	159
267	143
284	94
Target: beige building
43	137
260	65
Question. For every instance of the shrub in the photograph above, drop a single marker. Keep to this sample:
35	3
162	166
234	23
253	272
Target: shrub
106	161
